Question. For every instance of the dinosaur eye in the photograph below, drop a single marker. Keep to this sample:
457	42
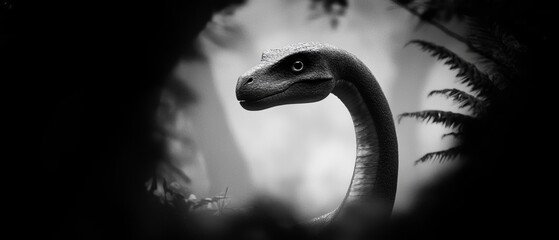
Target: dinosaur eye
297	66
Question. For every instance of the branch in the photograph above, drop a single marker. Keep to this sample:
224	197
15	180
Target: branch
434	23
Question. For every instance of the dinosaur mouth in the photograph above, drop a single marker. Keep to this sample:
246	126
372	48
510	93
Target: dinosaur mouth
291	94
260	103
264	97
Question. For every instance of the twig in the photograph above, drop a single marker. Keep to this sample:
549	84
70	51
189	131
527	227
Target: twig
222	205
435	23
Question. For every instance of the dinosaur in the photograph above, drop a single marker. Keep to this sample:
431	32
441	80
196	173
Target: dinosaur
309	72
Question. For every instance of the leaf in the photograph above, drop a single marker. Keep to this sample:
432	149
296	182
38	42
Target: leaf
454	134
464	99
446	118
468	73
495	45
442	156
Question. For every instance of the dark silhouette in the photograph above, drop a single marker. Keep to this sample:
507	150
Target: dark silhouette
501	182
89	75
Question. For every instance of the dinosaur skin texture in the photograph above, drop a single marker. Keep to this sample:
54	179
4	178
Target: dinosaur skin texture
309	72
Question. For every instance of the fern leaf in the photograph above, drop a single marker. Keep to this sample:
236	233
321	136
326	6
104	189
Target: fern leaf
468	73
441	156
495	44
454	134
447	119
464	99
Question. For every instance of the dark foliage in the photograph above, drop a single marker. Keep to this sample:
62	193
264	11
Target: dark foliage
446	118
503	173
332	9
468	73
329	5
82	83
440	155
463	99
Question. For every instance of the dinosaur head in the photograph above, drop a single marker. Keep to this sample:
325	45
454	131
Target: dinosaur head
294	74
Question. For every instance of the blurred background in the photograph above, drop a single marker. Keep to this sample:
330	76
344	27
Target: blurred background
301	154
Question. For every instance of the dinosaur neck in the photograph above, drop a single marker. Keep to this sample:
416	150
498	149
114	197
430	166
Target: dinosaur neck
367	157
374	177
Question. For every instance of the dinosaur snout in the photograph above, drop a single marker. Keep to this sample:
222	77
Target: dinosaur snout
244	89
248	81
245	80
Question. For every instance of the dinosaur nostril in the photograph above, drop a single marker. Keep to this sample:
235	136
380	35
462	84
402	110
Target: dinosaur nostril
249	81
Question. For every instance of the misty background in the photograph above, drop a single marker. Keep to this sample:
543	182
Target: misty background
301	154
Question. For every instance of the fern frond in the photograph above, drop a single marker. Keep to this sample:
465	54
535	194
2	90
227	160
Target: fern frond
454	134
441	156
468	73
463	99
494	42
446	118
